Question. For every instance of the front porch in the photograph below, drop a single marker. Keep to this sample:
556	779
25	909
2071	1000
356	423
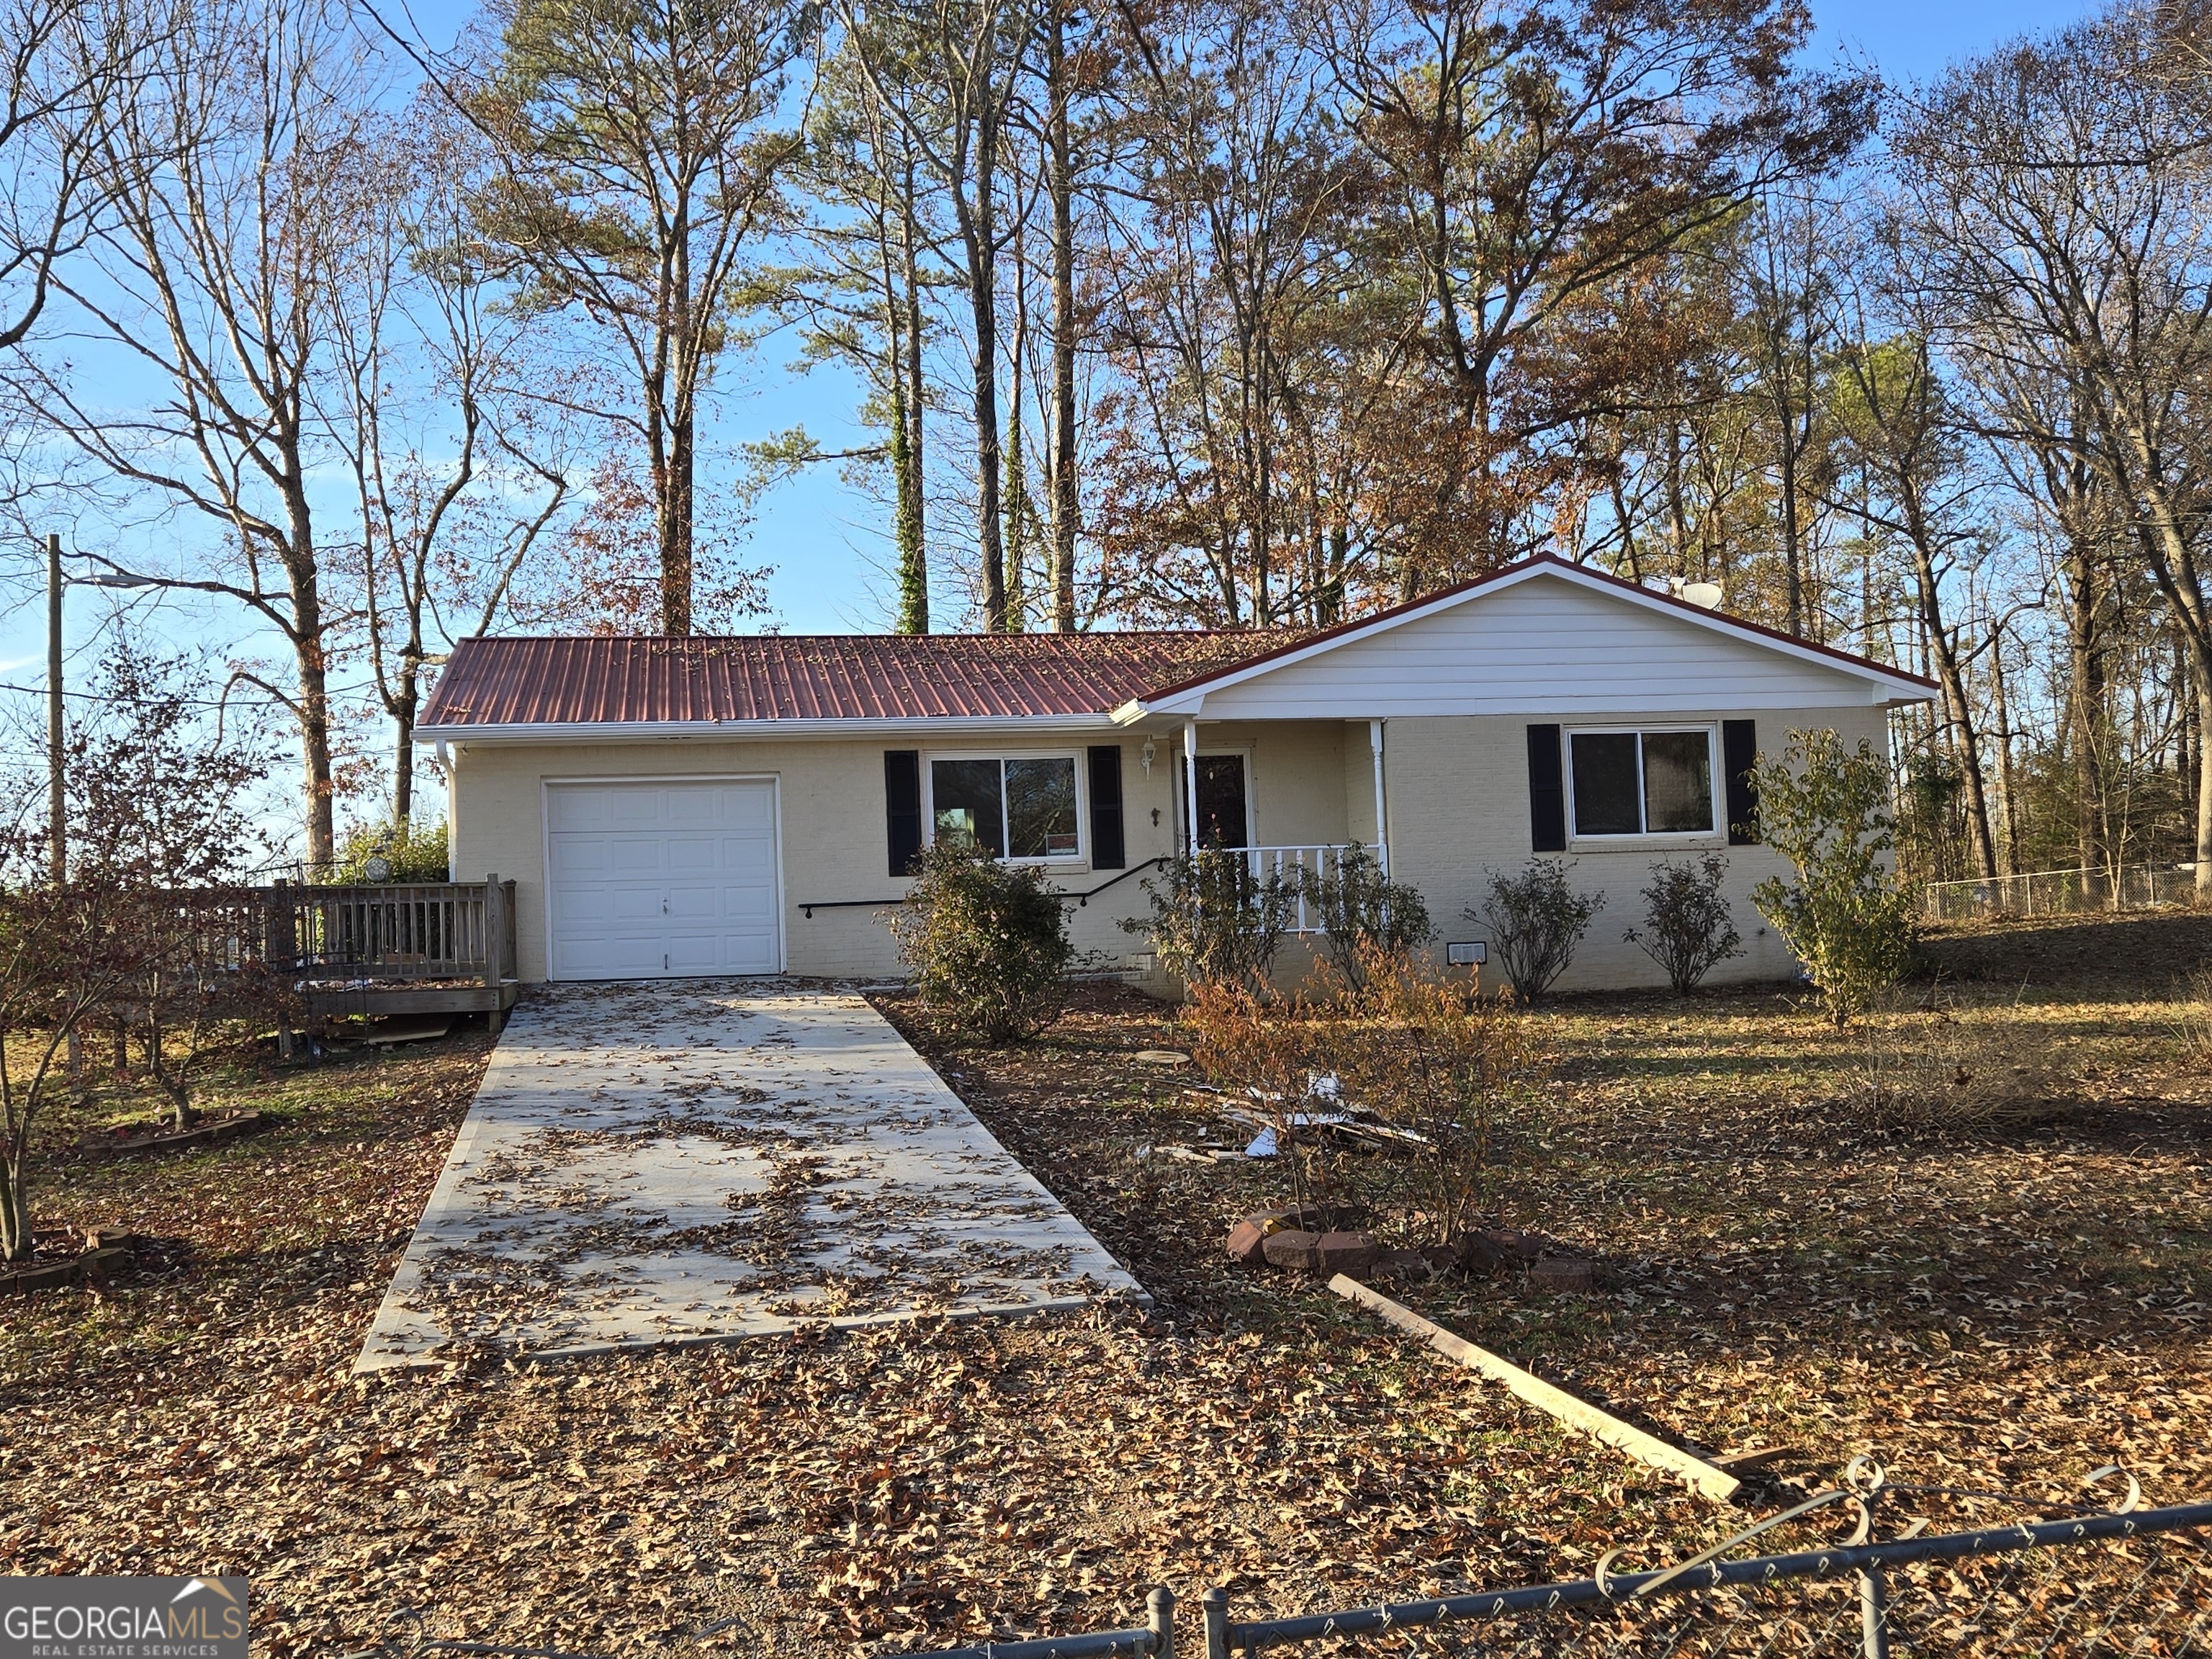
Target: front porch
1221	807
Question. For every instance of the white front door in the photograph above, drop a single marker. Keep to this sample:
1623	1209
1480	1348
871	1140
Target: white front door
661	881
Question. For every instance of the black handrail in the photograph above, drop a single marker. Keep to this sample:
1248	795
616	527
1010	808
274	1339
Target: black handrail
808	907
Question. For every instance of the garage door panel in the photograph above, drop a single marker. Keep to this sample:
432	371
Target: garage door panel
690	808
752	906
575	807
751	953
691	855
583	857
748	809
662	879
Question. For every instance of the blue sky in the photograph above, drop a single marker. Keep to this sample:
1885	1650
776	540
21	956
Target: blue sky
825	540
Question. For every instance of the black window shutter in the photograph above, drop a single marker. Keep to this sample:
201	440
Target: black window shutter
903	807
1547	791
1107	851
1739	755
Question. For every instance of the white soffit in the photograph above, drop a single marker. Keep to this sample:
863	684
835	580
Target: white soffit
1544	639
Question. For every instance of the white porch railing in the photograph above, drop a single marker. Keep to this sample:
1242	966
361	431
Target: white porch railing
1285	863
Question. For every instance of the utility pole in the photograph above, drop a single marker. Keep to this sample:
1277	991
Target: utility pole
57	727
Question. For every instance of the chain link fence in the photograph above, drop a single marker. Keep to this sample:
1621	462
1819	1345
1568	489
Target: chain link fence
2129	1581
2062	892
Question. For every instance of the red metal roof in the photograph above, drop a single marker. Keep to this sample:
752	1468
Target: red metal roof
791	677
605	680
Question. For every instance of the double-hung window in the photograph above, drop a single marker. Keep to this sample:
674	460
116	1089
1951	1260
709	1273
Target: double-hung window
1649	782
1021	807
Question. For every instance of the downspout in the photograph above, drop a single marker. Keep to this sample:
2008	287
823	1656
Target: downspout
1190	784
1382	823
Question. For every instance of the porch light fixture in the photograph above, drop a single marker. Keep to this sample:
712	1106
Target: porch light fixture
1145	756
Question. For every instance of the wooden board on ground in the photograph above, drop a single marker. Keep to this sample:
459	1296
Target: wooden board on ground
1702	1477
406	1027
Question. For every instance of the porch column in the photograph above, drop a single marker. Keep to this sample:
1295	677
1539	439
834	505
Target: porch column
1190	783
1382	826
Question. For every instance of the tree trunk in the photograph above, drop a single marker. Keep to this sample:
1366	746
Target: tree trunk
403	757
313	704
909	238
1958	709
979	239
1062	447
2086	663
2008	784
675	515
15	1239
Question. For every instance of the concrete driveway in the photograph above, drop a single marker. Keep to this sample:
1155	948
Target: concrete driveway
696	1160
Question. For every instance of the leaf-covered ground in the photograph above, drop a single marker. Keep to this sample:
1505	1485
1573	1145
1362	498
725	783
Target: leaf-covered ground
2007	1308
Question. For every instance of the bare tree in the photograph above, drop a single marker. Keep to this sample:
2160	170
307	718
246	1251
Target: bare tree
424	404
1537	153
61	64
1896	418
2060	204
210	272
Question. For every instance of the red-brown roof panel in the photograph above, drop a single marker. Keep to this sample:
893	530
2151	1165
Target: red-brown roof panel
611	680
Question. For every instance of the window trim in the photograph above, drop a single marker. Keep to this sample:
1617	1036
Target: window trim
1716	810
1080	856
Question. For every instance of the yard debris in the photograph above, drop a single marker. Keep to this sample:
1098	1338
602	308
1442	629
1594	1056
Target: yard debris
1322	1253
404	1028
133	1138
1186	1154
1485	1252
1762	1459
1563	1274
1405	1267
1246	1239
1701	1476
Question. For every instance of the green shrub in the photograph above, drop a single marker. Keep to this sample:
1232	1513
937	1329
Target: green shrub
987	942
1214	920
1827	810
1687	927
1535	922
413	852
1363	912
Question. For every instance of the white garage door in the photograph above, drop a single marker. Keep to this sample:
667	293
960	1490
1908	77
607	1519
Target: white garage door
661	881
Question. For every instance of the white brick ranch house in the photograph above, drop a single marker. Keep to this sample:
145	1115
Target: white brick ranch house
677	807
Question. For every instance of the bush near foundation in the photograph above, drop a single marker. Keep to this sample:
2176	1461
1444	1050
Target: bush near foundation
987	943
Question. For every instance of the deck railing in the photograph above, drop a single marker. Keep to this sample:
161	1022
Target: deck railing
443	930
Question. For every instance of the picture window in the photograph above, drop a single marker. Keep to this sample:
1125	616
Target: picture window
1022	808
1642	783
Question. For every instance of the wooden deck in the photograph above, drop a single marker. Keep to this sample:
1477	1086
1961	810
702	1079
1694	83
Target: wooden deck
397	948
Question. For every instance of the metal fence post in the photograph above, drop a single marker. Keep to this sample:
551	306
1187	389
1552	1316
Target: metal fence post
1873	1613
1160	1619
1214	1604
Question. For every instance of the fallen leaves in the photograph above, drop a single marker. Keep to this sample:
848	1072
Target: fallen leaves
2009	1313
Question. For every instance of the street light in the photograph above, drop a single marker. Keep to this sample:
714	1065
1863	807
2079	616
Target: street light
56	816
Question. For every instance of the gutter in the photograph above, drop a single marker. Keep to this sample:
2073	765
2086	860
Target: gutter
734	731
